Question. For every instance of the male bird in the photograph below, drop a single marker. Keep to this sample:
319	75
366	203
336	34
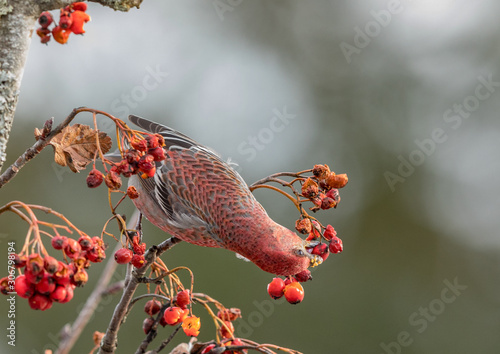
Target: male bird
199	198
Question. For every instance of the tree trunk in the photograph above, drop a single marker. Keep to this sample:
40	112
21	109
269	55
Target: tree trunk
17	21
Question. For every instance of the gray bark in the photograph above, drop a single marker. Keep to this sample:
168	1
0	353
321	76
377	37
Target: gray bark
17	24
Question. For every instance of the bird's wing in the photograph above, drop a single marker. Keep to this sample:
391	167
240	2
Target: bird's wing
194	187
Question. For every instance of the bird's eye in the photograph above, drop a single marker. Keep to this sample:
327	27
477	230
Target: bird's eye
299	252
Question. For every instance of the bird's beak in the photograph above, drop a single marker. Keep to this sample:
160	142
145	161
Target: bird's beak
314	259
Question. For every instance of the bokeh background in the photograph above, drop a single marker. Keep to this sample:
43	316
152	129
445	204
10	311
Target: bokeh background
362	86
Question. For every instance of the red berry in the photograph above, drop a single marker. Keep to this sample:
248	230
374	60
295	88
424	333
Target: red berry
80	277
20	261
79	6
158	153
303	226
45	19
40	302
60	35
69	294
303	276
85	242
309	188
24	288
294	293
59	293
174	315
4	286
183	299
146	163
50	264
33	278
152	141
65	20
152	307
227	332
290	280
275	288
113	180
149	174
138	260
337	181
132	192
72	249
123	256
207	349
229	314
334	194
147	324
59	242
139	143
94	179
336	245
139	248
321	250
47	285
34	263
63	274
329	232
327	203
132	156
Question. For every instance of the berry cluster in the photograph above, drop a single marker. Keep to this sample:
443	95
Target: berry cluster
322	190
134	256
140	159
71	20
290	287
46	279
173	315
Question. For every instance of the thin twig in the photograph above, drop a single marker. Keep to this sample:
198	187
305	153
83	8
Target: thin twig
166	341
92	302
39	145
108	344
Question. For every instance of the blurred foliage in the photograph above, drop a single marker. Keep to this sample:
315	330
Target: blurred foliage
226	79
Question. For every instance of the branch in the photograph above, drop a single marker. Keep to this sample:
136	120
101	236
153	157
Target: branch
17	24
47	135
73	333
108	344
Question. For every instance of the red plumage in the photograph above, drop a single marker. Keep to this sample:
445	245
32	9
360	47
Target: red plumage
199	198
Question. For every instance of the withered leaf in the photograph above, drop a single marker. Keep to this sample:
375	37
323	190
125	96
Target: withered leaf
76	145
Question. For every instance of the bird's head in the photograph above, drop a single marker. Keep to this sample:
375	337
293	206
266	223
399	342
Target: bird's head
285	253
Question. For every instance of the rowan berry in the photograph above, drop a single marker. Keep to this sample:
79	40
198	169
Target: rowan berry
294	293
23	287
40	302
191	326
152	307
59	242
275	288
147	324
94	179
183	299
336	245
123	256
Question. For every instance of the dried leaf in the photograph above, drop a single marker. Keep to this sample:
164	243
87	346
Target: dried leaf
76	145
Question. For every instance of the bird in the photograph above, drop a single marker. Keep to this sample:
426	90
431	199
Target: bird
201	199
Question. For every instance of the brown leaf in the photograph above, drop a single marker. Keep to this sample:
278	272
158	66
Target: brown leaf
76	145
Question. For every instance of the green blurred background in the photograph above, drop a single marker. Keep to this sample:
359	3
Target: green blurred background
364	87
